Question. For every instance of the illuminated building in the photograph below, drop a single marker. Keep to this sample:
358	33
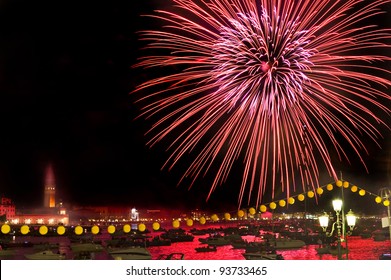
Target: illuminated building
7	208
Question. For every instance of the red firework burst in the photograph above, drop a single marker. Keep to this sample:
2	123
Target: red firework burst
278	83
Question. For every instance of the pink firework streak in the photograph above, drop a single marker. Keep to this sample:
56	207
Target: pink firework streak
276	83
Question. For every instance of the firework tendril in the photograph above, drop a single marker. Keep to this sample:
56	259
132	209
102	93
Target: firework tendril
275	83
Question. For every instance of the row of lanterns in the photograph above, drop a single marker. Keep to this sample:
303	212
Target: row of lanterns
320	191
78	230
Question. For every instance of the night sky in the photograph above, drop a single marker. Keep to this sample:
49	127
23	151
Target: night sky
65	79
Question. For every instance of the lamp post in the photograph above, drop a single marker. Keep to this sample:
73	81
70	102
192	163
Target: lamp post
339	224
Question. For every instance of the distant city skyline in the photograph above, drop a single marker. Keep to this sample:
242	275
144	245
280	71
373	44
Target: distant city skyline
65	101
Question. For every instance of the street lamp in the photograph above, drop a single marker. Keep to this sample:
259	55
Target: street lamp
339	223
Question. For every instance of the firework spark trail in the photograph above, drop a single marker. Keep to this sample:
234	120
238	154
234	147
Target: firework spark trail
273	82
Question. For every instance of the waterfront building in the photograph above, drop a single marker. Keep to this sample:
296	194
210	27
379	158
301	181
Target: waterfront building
7	208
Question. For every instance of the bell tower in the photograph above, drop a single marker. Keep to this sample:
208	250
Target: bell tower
49	200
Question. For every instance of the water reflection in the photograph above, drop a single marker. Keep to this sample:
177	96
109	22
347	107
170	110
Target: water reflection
359	249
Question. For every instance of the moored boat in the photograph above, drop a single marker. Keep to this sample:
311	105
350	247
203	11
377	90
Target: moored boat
209	248
45	255
86	247
130	253
262	256
287	243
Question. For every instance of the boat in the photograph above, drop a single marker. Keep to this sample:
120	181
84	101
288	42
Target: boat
45	255
262	256
385	256
209	248
130	253
86	247
333	250
286	243
6	252
215	241
172	256
158	241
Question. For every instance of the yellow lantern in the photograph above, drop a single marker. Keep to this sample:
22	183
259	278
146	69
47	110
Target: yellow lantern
291	200
252	211
386	203
202	220
78	230
60	230
378	199
310	194
141	227
95	229
346	184
43	230
227	216
111	229
273	205
329	187
24	229
156	226
189	222
214	218
319	191
241	213
126	228
282	203
361	192
176	224
5	229
301	197
263	208
338	183
354	189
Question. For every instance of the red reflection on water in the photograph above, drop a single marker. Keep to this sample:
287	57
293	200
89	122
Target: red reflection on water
359	249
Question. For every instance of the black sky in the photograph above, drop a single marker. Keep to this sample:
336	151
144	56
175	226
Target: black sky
65	79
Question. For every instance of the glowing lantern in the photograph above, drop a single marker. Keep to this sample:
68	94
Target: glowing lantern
202	220
214	218
319	191
310	194
189	222
339	183
301	197
361	192
95	229
240	213
176	224
5	229
282	203
291	200
43	230
111	229
156	226
126	228
60	230
252	211
25	229
329	187
141	227
346	184
354	189
227	216
273	205
378	199
263	208
386	203
78	230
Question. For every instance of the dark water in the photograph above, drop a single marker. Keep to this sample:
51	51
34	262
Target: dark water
359	249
